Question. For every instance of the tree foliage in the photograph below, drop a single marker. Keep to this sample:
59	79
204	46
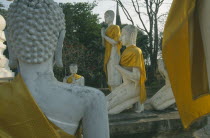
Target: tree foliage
82	44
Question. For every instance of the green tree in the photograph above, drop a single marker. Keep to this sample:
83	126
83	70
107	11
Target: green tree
82	44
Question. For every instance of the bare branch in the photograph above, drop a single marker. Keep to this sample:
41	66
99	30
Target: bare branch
140	28
139	15
165	14
125	12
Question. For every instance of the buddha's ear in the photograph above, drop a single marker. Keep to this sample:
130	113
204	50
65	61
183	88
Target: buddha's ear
58	50
13	62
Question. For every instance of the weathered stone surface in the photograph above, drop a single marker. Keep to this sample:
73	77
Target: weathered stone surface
150	124
5	73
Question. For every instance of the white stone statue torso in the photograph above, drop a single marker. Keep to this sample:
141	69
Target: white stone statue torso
80	81
114	77
63	104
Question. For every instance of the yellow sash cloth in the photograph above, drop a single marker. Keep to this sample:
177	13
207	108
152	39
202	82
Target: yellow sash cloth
187	75
70	79
113	32
20	116
133	57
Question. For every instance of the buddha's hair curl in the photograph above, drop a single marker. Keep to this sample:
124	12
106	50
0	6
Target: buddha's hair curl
33	28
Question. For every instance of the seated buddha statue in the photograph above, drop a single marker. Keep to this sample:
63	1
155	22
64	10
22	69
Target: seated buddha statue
35	103
74	78
132	69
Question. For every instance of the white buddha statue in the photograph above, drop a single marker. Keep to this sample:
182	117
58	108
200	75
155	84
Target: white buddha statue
5	72
164	97
132	69
35	34
74	78
110	40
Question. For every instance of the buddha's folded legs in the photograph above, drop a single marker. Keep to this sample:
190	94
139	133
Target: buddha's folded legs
119	108
120	95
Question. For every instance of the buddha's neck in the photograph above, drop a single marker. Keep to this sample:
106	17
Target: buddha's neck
109	24
72	74
31	72
131	44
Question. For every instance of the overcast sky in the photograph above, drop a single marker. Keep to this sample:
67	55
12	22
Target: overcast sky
104	5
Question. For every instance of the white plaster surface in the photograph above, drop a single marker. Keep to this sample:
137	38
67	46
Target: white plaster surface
127	94
164	97
114	77
80	81
64	104
5	71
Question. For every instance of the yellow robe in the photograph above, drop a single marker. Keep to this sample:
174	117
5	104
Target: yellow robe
20	116
70	79
133	57
113	32
187	75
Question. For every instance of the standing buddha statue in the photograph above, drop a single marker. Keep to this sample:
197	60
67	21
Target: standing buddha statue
110	39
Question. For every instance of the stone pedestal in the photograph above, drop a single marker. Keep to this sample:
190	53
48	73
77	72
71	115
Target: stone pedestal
151	124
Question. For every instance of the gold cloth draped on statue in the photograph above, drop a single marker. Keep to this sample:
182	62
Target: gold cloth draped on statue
187	73
70	79
132	57
113	32
20	116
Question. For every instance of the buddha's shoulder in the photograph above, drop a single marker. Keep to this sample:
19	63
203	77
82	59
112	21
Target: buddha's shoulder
80	90
134	49
114	27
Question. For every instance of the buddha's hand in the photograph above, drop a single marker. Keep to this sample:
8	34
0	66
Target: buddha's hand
117	67
103	32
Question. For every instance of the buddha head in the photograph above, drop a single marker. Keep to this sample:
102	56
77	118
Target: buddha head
35	31
109	16
73	68
129	35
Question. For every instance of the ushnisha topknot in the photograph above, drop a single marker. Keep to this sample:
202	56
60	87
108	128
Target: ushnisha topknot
33	28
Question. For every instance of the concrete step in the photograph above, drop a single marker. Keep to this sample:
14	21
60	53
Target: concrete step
151	124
